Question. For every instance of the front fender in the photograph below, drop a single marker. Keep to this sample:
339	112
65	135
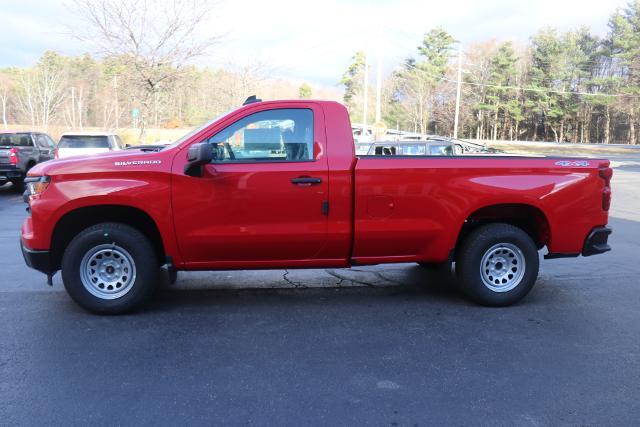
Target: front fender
148	193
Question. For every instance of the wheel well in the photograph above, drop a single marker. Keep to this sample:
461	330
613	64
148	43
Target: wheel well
77	220
529	218
31	163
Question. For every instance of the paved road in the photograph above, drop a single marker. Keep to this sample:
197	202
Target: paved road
380	345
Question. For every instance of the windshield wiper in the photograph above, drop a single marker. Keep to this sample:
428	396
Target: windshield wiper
147	147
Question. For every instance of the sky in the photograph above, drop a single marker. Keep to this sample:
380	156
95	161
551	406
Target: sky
314	41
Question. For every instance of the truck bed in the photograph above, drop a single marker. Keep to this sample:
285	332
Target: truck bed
411	208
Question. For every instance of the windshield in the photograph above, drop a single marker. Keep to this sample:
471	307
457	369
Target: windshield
16	140
83	141
200	128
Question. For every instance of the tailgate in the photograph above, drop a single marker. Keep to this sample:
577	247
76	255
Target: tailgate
4	155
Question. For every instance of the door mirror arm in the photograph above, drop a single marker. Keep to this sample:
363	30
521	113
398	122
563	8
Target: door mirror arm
198	155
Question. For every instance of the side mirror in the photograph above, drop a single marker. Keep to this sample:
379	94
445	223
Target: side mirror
197	156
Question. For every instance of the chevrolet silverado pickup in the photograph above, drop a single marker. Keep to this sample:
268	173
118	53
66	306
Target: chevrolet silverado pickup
20	151
277	184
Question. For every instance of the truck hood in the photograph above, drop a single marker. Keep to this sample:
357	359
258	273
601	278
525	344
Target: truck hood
114	161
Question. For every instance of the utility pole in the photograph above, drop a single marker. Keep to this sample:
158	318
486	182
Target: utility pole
115	101
458	90
378	84
73	107
80	108
366	94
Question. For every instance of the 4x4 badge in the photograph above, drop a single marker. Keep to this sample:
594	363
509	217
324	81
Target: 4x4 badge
573	163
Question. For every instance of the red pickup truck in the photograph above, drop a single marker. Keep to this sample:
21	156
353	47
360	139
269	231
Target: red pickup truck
277	185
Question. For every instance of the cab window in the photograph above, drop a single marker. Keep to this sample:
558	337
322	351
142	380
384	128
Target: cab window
16	140
281	135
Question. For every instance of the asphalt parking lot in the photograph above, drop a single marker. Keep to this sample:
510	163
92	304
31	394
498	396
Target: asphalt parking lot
388	345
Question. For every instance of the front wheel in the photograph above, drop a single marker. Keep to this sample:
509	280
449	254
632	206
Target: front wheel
110	268
497	264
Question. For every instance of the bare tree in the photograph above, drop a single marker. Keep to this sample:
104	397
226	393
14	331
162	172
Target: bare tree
4	96
41	90
248	76
6	85
154	39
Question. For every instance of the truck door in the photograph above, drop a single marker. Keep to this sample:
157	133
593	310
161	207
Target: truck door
46	147
263	197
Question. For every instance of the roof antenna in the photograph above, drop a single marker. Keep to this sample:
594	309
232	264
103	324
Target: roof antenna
251	100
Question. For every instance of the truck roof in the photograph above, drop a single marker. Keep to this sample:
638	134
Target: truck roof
88	133
10	132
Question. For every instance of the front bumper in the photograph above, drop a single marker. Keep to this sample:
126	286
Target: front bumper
38	260
596	242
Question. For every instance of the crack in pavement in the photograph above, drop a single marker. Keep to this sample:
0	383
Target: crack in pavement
291	282
378	274
383	277
343	278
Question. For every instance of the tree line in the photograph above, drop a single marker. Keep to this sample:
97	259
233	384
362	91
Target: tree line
84	91
560	86
569	86
141	74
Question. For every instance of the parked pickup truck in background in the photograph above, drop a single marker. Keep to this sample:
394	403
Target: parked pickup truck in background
428	146
20	151
278	185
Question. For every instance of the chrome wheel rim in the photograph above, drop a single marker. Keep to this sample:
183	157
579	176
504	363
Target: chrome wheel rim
107	271
502	267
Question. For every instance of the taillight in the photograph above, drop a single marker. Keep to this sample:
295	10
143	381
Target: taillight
606	174
13	156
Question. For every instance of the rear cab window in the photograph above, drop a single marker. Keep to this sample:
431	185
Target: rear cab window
84	141
16	140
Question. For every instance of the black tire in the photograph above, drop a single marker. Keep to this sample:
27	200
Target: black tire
168	277
18	185
173	275
503	244
444	268
120	237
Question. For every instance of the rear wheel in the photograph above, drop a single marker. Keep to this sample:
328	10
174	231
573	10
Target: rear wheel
18	185
110	268
497	264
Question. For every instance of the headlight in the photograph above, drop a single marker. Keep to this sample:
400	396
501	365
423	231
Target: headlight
36	184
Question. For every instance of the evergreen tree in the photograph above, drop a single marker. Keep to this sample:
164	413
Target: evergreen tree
624	42
352	81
